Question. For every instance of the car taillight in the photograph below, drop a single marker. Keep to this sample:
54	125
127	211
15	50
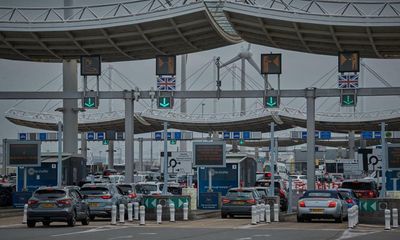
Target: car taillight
32	202
225	200
349	201
106	197
332	204
371	194
64	202
132	195
302	204
251	201
281	193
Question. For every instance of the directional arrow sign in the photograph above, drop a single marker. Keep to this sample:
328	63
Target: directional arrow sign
89	102
165	102
348	100
271	102
368	205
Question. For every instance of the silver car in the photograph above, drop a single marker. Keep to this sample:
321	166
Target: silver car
321	204
101	198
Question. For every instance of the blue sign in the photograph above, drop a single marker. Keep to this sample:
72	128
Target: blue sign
178	135
209	200
42	136
377	135
45	175
393	181
304	134
169	135
100	136
227	135
120	135
325	135
158	135
90	136
223	179
236	135
246	135
367	135
19	199
22	136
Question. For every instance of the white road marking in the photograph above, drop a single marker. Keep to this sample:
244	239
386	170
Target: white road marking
121	237
11	225
98	229
350	233
147	233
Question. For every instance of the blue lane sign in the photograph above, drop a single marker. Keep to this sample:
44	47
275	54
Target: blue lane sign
304	134
158	135
90	136
42	136
177	135
100	136
169	135
227	135
246	135
377	135
367	134
236	135
325	135
22	136
393	180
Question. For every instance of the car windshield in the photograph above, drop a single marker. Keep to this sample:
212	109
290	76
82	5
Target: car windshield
146	188
239	194
94	190
319	195
49	193
358	185
345	194
126	189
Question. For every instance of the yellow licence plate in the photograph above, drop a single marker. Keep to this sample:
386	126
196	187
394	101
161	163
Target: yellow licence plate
317	210
93	204
238	202
47	205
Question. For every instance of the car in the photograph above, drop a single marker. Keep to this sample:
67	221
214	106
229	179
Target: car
321	204
129	190
298	180
363	188
101	197
263	192
279	190
54	204
238	201
349	196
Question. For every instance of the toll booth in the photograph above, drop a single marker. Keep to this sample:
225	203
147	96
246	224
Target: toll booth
240	170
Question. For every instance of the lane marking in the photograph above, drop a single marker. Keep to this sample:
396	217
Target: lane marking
147	233
98	229
12	225
351	233
121	237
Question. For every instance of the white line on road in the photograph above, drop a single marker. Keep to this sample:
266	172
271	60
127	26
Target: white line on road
147	233
121	237
350	233
98	229
11	225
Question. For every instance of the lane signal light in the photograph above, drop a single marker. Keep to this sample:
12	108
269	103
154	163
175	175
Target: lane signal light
271	101
165	102
90	103
348	100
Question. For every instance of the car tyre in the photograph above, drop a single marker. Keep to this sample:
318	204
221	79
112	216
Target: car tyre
72	221
300	219
92	217
224	215
46	223
31	224
339	219
86	220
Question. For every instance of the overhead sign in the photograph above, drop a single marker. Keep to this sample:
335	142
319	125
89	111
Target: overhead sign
393	156
348	80
393	181
348	100
180	163
100	136
165	102
90	65
22	136
166	83
271	63
90	102
23	153
90	136
166	65
348	62
271	102
110	135
209	154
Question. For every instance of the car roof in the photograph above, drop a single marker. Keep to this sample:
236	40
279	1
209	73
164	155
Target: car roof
245	188
359	180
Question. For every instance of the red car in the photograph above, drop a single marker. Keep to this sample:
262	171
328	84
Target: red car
363	188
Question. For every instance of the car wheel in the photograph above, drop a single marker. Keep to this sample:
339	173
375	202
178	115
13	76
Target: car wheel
300	219
92	217
224	215
339	219
72	221
46	223
31	224
86	220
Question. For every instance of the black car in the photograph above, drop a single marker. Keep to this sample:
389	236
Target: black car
53	204
238	201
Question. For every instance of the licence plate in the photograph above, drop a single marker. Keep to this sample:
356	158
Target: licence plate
317	210
93	204
238	202
47	205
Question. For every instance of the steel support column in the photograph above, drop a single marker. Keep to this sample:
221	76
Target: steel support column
141	168
310	98
352	144
183	145
129	127
110	154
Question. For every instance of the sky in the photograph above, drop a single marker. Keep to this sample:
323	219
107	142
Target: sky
300	70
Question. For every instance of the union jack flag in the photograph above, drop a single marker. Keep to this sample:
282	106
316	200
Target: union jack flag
166	83
348	80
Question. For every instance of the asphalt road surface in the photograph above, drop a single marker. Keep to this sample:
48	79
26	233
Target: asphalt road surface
205	229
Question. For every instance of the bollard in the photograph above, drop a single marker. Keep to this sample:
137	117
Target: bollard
25	217
130	212
159	213
268	213
253	215
171	212
142	211
356	214
257	213
387	219
276	212
136	210
121	213
113	215
185	211
395	215
350	217
262	212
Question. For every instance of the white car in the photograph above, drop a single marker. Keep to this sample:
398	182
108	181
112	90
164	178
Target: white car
298	179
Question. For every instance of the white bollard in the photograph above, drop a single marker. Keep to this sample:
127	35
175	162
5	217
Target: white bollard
25	217
257	213
262	212
171	212
121	213
253	215
387	219
159	213
395	215
113	215
276	212
350	217
142	211
130	212
268	213
185	211
356	213
136	210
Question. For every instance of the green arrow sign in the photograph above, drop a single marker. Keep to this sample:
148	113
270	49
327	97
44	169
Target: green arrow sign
164	102
368	205
271	102
172	142
348	100
89	102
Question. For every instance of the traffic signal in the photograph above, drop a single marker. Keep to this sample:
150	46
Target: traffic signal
271	102
348	100
106	142
241	142
89	103
172	142
165	102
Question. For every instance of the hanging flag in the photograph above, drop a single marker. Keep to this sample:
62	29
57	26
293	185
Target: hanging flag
348	80
166	83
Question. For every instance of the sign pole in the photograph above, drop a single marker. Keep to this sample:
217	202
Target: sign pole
164	191
272	161
384	160
59	151
4	157
210	179
24	189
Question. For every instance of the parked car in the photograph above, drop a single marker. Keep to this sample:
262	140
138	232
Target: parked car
238	201
129	190
6	191
349	196
263	192
149	188
101	198
321	204
53	204
364	188
279	190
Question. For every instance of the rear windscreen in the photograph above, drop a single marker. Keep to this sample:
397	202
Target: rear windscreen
94	190
358	185
49	193
240	194
126	189
146	188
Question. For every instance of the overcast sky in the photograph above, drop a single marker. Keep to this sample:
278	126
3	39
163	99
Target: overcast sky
300	70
